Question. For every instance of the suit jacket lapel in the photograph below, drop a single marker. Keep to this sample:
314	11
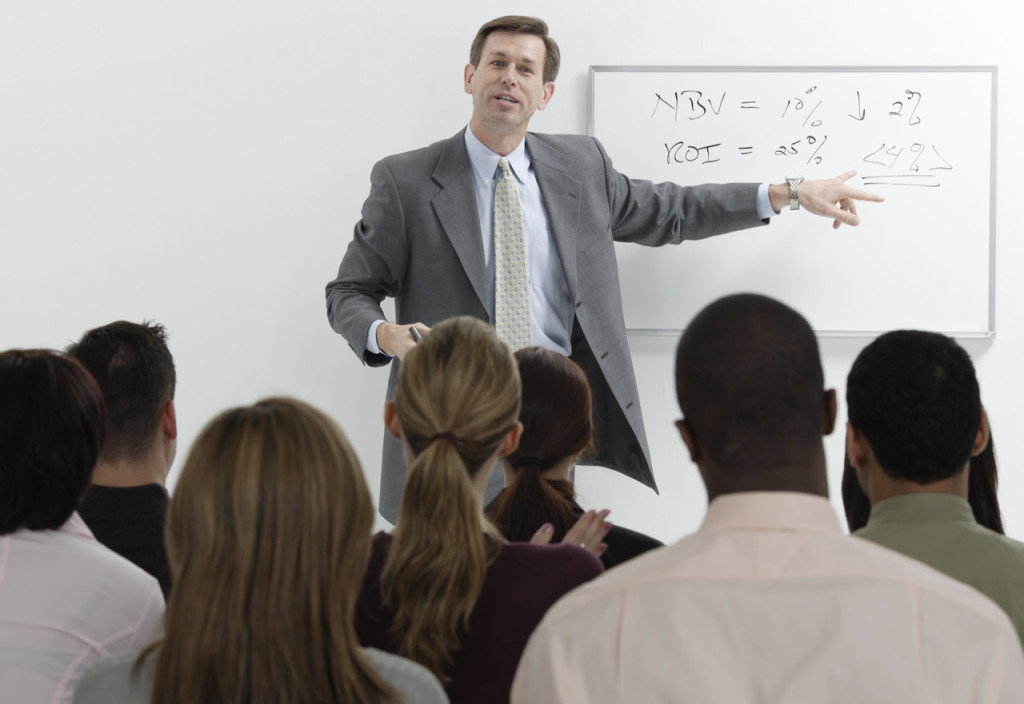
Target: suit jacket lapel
455	207
561	201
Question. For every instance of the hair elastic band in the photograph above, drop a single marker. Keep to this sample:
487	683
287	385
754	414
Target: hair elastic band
525	460
450	437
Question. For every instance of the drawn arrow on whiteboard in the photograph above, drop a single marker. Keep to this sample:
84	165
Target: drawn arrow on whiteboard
859	109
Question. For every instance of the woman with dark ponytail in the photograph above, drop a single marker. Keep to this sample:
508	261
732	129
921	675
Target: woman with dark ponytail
557	430
443	588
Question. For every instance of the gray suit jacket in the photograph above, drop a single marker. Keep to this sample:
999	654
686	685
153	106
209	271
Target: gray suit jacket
419	241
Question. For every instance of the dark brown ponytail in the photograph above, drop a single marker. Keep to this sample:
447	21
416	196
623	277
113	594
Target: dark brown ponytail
557	424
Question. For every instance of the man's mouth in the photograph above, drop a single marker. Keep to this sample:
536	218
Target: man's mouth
507	99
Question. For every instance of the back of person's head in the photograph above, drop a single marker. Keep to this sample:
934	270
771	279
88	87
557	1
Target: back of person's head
557	424
518	24
750	385
915	398
135	370
268	540
457	398
52	426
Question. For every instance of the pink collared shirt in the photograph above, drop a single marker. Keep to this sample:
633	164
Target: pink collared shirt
66	601
770	602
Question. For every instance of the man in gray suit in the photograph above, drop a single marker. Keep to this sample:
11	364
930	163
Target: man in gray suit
426	238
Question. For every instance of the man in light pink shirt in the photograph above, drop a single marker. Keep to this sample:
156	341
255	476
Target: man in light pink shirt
768	602
65	600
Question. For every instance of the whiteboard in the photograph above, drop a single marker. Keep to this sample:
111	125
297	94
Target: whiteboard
923	137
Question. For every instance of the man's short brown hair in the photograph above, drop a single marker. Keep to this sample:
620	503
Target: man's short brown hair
518	24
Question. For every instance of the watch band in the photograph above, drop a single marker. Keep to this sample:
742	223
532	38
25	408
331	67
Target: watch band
794	191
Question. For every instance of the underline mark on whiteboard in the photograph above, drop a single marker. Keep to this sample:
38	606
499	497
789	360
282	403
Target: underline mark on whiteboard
912	180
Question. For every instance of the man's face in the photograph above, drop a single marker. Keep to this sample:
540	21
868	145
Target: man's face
508	85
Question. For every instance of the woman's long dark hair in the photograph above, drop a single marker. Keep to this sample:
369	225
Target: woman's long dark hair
557	423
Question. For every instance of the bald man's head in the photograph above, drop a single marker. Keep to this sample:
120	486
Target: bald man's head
750	385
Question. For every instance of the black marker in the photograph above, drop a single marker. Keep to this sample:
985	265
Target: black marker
415	334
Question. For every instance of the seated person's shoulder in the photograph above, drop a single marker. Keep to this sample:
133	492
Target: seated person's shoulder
560	562
414	683
117	679
929	585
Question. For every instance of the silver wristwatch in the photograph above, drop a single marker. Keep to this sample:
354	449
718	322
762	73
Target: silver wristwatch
794	191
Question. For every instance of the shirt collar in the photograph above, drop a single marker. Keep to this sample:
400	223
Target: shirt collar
76	526
485	161
771	511
925	507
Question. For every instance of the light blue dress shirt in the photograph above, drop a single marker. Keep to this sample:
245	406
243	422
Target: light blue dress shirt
550	303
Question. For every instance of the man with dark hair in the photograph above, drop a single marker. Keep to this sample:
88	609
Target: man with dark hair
127	502
518	228
915	421
65	600
768	601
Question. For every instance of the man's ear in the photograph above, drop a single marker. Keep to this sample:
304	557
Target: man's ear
391	421
549	90
511	441
689	439
830	412
857	447
467	78
981	438
169	421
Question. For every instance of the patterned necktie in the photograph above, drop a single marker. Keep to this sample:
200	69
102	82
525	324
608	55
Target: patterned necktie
511	279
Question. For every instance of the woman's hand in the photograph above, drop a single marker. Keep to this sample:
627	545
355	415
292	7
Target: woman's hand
588	532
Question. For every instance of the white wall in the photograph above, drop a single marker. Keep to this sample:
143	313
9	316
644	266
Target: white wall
202	164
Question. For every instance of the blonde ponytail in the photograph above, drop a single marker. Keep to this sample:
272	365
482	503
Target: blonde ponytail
457	398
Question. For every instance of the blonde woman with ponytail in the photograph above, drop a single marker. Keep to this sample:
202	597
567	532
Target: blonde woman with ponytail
268	536
443	588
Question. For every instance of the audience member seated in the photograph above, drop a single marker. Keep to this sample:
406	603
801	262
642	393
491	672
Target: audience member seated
982	491
268	537
127	502
769	601
444	589
557	428
915	421
65	600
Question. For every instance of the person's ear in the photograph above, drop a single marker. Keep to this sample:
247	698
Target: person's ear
169	421
830	412
981	438
467	77
391	422
857	447
511	441
689	439
549	90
